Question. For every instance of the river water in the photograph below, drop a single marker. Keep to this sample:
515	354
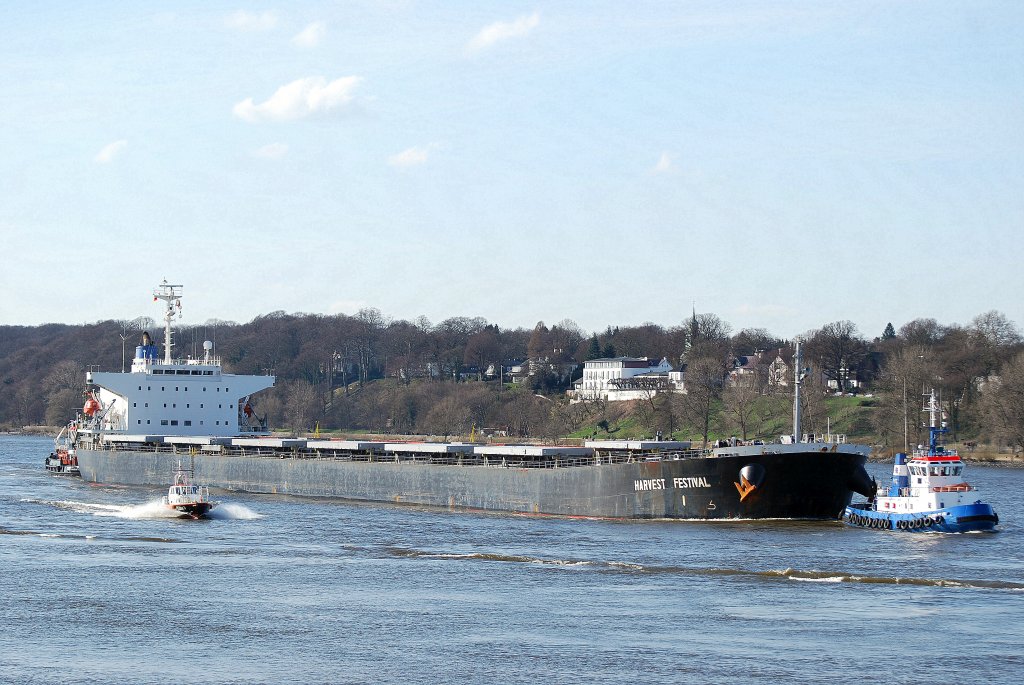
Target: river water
98	585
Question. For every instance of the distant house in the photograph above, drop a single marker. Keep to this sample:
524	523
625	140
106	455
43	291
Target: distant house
520	370
779	369
765	370
515	370
746	370
621	378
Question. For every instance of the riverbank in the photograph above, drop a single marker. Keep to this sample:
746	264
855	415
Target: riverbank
977	455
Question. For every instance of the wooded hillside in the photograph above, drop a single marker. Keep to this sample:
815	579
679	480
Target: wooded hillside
370	373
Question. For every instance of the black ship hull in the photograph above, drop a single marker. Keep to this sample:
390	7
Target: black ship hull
783	482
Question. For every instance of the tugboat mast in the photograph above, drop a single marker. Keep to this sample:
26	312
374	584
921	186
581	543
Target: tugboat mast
171	294
936	426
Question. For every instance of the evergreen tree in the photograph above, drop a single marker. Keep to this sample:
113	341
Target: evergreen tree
594	352
609	350
889	333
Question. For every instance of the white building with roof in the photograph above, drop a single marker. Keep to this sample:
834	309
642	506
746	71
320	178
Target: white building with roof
621	378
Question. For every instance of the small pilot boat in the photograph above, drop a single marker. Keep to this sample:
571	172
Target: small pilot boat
187	498
928	492
63	460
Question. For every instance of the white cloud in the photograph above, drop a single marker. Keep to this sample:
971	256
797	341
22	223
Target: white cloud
301	98
272	151
503	30
413	156
664	164
107	154
310	36
251	22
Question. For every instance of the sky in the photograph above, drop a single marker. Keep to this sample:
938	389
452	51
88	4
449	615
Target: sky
780	164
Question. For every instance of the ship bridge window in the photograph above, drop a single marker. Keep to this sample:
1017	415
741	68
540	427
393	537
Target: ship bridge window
196	372
207	373
174	422
163	422
158	372
182	372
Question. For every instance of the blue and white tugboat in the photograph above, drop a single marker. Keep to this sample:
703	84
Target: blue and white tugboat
928	492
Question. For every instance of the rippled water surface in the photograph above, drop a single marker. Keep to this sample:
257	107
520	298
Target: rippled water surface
99	585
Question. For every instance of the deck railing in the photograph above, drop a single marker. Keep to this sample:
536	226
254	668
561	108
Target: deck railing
384	457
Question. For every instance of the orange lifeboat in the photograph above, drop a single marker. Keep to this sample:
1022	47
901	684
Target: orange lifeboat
92	406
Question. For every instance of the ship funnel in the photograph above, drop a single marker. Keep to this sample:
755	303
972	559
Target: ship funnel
147	350
900	475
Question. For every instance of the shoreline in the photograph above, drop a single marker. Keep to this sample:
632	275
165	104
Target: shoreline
983	457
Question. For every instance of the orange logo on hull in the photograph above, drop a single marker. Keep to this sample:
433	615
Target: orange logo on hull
745	487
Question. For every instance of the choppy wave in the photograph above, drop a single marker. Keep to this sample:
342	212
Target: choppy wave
149	510
233	512
78	536
809	576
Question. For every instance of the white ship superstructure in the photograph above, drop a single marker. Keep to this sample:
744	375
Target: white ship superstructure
169	396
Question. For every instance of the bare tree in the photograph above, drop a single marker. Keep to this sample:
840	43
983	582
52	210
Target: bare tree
740	409
907	374
751	340
482	348
837	349
997	338
1003	404
813	410
301	405
921	332
704	380
709	337
450	416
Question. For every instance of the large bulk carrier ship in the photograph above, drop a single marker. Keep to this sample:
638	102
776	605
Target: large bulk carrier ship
145	420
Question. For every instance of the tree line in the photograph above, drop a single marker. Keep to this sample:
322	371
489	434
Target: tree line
372	373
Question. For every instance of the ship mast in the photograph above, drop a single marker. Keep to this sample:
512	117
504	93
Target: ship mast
171	294
797	375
